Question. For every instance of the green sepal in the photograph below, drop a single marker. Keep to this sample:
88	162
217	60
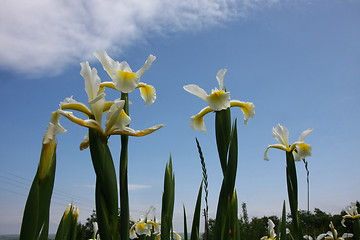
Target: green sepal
196	219
222	132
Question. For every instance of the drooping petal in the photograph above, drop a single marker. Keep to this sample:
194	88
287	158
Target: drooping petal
85	143
141	228
85	123
281	134
72	104
132	132
248	108
303	151
147	92
278	146
132	232
125	81
218	100
197	121
146	66
304	134
107	62
196	90
92	80
220	78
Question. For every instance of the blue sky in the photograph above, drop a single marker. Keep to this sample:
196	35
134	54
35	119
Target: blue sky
297	61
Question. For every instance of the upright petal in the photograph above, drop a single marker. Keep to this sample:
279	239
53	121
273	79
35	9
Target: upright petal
107	62
281	134
304	134
196	90
220	78
146	66
97	106
92	80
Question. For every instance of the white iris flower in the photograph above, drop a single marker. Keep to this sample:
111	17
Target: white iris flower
281	134
124	79
217	100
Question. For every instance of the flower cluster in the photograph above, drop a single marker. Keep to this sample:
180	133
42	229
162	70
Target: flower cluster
124	80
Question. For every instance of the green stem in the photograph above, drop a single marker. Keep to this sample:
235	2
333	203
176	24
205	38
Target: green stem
124	194
356	225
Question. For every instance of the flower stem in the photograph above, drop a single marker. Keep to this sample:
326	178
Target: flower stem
124	193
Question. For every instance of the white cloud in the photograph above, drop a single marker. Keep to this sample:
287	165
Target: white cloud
44	36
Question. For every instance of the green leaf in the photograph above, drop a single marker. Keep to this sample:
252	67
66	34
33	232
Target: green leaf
168	198
196	219
233	218
291	178
106	195
35	223
222	132
221	230
283	224
185	225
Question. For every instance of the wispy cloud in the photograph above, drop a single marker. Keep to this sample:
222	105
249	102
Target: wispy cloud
44	36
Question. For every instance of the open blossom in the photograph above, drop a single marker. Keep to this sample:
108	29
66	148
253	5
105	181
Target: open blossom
144	227
300	149
117	120
271	231
333	235
124	79
351	213
217	100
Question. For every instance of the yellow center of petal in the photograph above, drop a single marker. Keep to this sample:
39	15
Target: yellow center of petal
216	96
127	76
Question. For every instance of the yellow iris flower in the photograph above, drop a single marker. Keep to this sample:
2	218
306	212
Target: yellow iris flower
217	100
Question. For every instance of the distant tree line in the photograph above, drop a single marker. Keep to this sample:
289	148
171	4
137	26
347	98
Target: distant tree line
313	223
